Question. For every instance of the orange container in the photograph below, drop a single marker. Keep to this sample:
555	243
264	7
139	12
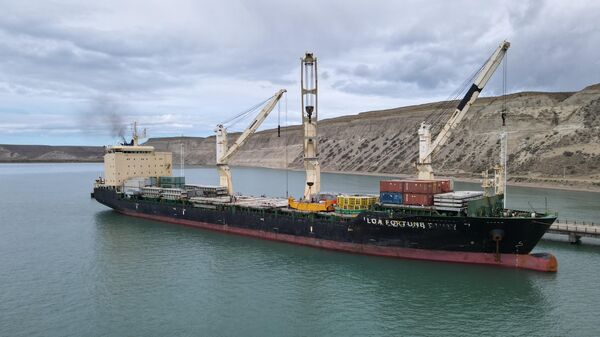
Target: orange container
394	186
418	199
445	185
422	186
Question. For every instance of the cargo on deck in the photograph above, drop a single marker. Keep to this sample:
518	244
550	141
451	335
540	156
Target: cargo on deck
391	186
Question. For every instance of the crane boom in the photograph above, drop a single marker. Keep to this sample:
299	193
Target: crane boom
225	152
426	147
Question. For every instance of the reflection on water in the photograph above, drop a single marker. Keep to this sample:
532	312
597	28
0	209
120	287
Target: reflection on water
390	293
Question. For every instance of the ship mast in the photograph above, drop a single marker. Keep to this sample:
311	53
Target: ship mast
135	135
308	83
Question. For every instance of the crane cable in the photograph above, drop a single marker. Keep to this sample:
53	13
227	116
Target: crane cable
286	148
449	105
443	105
504	81
279	119
242	115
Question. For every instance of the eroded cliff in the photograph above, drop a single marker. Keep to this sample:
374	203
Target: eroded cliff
553	137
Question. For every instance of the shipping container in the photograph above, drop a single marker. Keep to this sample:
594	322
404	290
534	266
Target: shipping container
422	186
446	186
391	186
419	199
390	198
171	182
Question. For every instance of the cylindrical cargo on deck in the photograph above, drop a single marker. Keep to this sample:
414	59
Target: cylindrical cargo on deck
390	198
418	199
391	186
355	202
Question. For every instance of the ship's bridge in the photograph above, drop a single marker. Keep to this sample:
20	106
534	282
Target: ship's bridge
123	162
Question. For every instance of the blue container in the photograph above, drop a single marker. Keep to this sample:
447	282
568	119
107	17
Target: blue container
390	198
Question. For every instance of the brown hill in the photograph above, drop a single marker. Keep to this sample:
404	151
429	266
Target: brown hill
45	153
553	137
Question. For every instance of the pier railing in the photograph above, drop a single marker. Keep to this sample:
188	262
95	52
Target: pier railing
574	222
575	231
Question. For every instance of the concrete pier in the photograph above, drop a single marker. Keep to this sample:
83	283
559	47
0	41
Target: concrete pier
575	231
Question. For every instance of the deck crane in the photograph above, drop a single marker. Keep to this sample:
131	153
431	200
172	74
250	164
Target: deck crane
310	114
426	147
226	152
310	202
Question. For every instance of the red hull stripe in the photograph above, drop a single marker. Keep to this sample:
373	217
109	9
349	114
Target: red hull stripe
542	262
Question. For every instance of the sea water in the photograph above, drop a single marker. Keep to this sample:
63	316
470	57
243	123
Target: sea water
72	267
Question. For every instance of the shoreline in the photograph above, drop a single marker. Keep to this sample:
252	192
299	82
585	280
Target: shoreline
595	189
533	184
56	161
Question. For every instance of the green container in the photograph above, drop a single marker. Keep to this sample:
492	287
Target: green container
171	182
172	185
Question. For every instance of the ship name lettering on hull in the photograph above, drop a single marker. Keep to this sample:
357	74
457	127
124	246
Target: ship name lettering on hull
409	224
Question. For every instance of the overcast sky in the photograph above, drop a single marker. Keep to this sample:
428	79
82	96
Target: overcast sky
69	68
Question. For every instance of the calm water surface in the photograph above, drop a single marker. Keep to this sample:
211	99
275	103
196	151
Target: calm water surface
71	267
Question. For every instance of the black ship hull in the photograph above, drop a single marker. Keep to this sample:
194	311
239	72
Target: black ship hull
484	240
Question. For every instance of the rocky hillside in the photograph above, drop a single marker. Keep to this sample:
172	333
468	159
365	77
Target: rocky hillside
43	153
553	137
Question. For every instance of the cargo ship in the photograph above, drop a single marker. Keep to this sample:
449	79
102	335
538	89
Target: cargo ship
422	218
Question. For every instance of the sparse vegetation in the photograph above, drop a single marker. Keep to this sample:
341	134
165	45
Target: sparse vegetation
393	141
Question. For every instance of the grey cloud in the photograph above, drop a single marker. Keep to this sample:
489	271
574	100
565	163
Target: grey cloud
551	47
372	88
162	62
362	70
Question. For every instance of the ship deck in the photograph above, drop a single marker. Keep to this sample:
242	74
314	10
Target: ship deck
281	204
261	202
